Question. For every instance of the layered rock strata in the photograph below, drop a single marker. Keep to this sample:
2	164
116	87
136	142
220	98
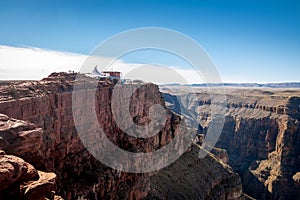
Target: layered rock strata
261	136
48	139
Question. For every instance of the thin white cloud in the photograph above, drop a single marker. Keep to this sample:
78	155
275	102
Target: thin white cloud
29	63
33	63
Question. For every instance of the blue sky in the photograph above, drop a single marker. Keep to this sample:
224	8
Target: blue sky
249	41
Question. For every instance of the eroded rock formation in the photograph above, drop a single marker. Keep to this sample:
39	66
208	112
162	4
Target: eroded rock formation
261	136
45	136
20	180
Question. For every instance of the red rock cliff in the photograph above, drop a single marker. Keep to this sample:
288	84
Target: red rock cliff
53	144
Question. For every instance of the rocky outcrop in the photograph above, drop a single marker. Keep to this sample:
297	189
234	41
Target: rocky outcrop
20	180
48	139
260	135
14	169
21	138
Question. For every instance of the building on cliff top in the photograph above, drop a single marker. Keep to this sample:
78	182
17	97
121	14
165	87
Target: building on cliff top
112	75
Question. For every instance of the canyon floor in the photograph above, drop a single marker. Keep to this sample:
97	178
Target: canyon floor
43	155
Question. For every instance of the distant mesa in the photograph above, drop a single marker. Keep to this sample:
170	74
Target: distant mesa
258	85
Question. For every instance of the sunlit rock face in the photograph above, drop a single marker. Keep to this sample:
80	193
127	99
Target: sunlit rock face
38	126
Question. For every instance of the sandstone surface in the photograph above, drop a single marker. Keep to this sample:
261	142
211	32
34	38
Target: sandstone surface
38	126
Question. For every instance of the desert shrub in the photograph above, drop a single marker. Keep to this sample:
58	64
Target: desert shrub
12	91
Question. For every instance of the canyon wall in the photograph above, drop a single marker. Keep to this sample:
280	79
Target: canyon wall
261	136
53	144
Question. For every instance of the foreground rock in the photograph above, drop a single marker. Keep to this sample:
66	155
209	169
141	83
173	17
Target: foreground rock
21	138
20	180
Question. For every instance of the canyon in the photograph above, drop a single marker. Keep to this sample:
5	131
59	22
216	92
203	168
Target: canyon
260	134
43	156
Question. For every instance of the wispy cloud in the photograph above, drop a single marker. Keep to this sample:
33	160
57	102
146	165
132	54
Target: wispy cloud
29	63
